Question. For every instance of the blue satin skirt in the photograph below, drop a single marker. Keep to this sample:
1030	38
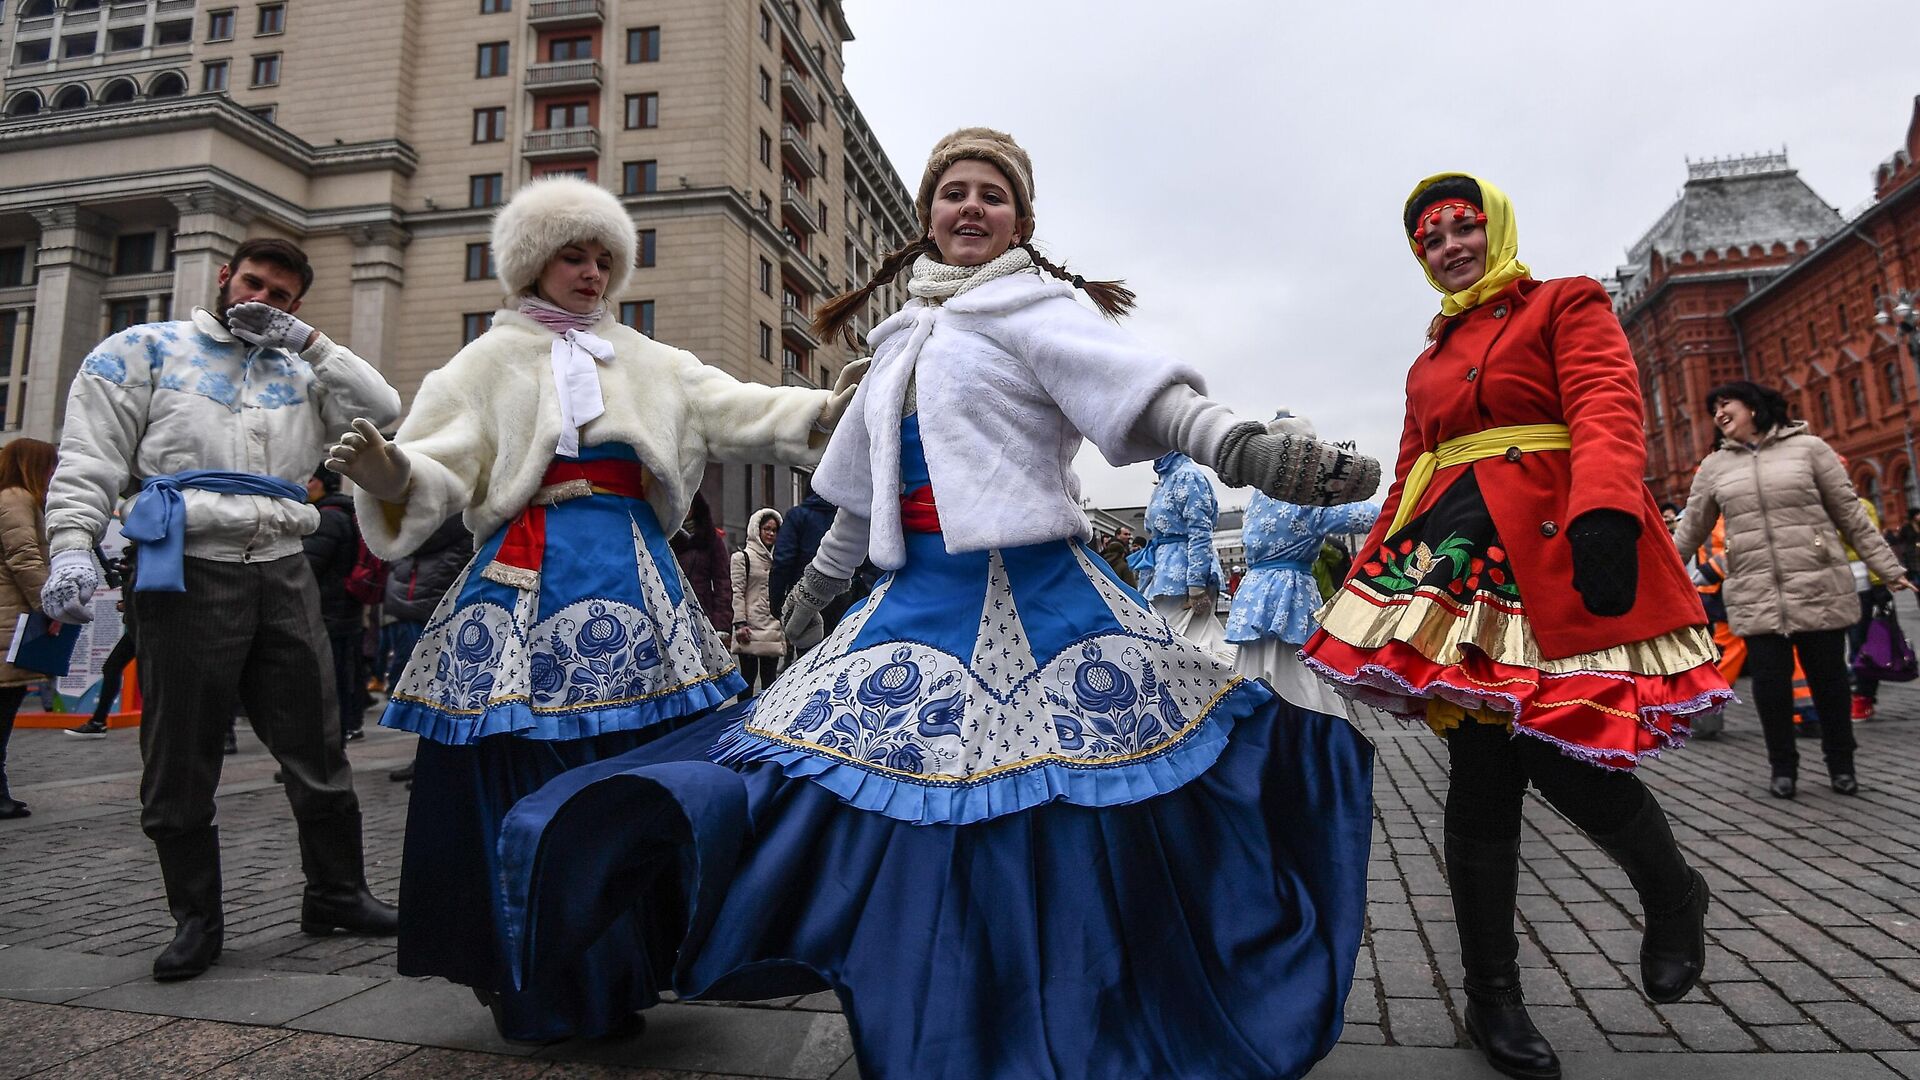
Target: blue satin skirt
1207	932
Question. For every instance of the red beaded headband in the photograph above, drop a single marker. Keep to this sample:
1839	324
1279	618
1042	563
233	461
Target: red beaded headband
1460	207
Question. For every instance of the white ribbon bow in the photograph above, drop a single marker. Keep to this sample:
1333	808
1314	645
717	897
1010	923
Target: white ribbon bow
577	382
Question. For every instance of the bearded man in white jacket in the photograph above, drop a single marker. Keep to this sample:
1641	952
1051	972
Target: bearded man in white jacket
216	421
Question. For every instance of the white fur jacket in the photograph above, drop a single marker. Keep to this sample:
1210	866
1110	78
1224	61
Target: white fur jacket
1008	378
482	430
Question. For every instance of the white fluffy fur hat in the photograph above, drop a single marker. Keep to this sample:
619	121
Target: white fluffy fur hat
1285	423
549	214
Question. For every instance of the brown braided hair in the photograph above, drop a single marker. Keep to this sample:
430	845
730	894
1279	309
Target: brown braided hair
1113	298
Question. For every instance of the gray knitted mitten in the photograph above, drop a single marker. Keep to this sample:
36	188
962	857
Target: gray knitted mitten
800	615
1295	469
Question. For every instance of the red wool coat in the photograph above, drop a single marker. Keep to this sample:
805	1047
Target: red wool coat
1548	352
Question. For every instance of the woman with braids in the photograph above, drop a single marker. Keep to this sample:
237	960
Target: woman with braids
1018	824
1520	594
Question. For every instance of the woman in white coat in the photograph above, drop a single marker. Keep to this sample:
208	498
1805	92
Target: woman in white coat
1020	825
574	446
756	629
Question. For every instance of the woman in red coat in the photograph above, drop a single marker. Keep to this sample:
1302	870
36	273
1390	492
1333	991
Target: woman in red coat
1521	596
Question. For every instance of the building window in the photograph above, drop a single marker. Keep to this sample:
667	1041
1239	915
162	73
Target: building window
213	76
484	190
766	342
1857	391
265	112
1891	373
266	70
479	262
173	33
766	87
492	62
1826	411
644	252
638	314
643	111
766	26
792	359
495	7
126	38
643	45
79	45
133	253
766	276
472	325
573	48
639	177
130	311
220	25
569	114
33	52
490	125
13	266
273	19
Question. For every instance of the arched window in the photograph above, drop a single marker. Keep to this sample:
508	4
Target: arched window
33	9
1868	487
167	84
1857	391
119	92
1826	411
1890	371
24	103
72	97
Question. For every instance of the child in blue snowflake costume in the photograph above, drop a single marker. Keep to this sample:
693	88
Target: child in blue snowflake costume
1273	609
1187	578
1017	823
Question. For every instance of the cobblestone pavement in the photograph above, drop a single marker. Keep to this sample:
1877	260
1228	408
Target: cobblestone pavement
1815	936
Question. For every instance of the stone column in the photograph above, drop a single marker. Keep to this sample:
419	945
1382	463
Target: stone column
379	271
212	224
71	268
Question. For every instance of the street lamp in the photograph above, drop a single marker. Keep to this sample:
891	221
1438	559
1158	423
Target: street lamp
1898	310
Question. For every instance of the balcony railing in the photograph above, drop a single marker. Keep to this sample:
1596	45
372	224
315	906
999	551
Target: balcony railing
559	74
795	92
797	325
796	209
561	142
794	145
791	375
553	13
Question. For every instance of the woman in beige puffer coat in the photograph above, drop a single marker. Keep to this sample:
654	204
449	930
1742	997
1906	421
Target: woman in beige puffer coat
756	626
25	467
1790	513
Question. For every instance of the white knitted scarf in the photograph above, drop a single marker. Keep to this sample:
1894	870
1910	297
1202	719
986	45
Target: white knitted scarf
935	281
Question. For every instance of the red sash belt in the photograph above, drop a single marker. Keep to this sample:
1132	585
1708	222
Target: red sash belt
917	512
524	548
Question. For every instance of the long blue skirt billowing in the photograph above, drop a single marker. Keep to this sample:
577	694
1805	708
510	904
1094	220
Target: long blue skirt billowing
1207	932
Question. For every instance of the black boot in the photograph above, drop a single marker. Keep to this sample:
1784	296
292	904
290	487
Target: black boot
337	896
1483	876
1674	896
190	866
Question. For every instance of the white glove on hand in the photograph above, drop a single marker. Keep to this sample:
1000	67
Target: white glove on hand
1199	599
843	387
268	327
364	456
72	579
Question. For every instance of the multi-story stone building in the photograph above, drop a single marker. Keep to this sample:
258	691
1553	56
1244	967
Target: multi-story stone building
144	139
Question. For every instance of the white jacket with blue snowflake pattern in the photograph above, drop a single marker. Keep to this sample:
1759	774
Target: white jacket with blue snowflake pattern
165	397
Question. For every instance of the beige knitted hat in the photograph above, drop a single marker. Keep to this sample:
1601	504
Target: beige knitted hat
998	149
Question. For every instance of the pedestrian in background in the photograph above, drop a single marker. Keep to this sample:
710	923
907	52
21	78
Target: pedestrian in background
114	669
756	628
25	467
1181	513
1790	511
331	550
701	550
1873	594
1115	550
415	585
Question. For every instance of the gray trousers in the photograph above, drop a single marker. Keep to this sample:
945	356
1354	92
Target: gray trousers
242	634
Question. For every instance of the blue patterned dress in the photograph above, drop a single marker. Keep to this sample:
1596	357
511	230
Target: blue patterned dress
1021	827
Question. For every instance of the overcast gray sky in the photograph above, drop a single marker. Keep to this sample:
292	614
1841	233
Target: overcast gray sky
1243	164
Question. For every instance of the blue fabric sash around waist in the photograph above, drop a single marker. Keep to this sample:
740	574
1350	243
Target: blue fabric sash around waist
1305	566
157	521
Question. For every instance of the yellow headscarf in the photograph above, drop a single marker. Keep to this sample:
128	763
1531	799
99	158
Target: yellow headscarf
1503	247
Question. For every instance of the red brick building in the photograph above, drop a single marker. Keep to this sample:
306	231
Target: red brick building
1750	274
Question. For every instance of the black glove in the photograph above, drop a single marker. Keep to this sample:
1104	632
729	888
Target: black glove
1606	560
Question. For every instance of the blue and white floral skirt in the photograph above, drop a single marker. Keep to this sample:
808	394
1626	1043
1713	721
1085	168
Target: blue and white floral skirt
1162	873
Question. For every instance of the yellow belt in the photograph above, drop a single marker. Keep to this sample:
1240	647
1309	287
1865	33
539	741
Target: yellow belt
1493	442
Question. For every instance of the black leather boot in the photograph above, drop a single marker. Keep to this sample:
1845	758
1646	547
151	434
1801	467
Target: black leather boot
337	897
190	866
1674	897
1483	876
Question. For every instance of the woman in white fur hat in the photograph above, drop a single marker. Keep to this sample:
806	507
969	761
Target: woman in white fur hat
574	446
1018	824
1273	609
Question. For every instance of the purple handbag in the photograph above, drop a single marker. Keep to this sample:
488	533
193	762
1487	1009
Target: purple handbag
1886	654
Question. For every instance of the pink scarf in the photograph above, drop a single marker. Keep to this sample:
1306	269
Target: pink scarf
559	319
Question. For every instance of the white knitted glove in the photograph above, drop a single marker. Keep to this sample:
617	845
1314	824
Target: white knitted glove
1295	468
364	456
843	387
269	327
72	578
800	615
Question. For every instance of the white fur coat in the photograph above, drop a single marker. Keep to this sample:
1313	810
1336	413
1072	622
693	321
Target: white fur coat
483	428
1008	378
